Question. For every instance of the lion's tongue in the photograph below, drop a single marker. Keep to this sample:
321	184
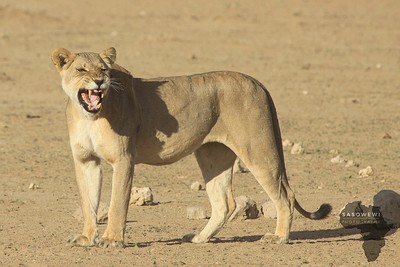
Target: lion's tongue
92	100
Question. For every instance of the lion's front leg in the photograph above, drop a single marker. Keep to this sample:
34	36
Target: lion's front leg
88	176
120	194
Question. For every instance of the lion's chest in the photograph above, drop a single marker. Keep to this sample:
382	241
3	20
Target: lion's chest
96	139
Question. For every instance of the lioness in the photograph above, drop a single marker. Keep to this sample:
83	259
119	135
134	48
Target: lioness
126	121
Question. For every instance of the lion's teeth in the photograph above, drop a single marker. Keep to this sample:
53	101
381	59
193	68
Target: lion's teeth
90	93
98	106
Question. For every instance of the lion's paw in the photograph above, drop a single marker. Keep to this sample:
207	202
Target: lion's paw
110	243
274	239
81	241
192	238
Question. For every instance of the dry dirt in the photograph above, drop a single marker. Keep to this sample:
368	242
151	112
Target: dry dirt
332	68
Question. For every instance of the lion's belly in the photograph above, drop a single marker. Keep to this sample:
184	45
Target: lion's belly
174	138
166	152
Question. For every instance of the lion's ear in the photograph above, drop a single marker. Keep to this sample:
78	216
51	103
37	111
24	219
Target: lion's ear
109	56
62	58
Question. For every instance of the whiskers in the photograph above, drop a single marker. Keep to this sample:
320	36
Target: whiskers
116	85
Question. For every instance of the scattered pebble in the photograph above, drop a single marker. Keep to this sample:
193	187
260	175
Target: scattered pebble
30	116
368	171
287	143
386	136
196	186
4	77
34	186
141	196
350	100
351	163
333	151
338	159
297	149
268	209
246	208
103	216
196	213
102	213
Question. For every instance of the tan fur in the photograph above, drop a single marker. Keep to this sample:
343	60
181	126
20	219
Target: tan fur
217	115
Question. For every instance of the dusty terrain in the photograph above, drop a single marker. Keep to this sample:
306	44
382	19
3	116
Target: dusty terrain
332	68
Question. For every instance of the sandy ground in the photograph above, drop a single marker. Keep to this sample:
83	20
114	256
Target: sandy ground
332	68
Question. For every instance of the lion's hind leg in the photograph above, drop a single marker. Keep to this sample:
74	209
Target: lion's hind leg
216	163
270	174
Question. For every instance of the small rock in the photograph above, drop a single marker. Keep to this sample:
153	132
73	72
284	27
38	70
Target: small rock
389	203
141	196
287	143
246	208
297	149
351	163
354	100
333	151
196	186
366	172
30	116
338	159
196	213
239	167
268	209
4	77
33	186
102	213
350	100
386	136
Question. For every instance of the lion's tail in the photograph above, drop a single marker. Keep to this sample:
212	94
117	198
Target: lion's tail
321	213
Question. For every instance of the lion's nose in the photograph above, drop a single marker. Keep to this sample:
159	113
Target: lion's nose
99	82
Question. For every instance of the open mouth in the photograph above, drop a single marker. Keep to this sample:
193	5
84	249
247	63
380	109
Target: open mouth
91	99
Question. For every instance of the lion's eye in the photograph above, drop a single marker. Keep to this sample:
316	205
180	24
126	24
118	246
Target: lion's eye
81	70
104	69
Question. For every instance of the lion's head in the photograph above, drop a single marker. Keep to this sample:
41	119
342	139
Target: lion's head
85	76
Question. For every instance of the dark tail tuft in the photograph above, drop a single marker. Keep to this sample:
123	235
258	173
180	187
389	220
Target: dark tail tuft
321	213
